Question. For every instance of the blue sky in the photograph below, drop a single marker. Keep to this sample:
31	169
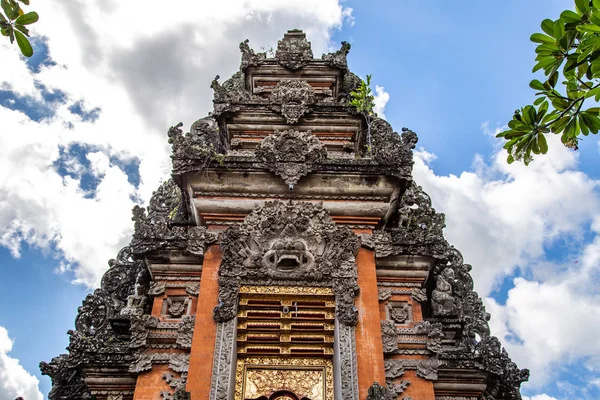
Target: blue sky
86	140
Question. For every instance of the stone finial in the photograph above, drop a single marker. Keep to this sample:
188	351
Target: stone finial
294	51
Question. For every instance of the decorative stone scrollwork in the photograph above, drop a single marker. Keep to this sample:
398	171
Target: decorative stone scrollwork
281	242
378	392
393	369
391	149
233	89
249	57
428	368
389	336
292	98
434	334
294	51
291	154
200	147
398	314
186	332
139	329
157	289
67	380
338	59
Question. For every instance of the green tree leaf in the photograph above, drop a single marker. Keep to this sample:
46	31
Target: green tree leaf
28	18
541	38
24	44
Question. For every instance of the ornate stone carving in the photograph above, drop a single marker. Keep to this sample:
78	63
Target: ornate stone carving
378	392
389	336
348	363
192	288
67	381
197	149
428	368
249	57
391	149
434	334
199	238
442	301
384	294
233	89
281	242
294	51
157	289
223	360
143	362
418	295
152	230
177	306
399	387
292	98
393	369
338	59
137	303
186	332
291	154
139	330
94	339
398	313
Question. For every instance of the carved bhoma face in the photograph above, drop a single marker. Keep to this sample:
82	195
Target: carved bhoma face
288	254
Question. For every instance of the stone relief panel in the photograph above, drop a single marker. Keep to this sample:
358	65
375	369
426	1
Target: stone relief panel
291	154
289	244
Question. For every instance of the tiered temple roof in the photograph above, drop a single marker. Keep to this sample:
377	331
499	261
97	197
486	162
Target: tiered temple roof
288	191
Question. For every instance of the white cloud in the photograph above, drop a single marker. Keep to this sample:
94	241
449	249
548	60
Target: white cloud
504	216
539	397
145	72
381	99
14	379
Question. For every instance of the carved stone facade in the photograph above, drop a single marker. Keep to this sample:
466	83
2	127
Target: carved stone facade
289	244
351	232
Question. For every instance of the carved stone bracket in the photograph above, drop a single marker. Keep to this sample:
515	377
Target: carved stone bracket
389	336
153	230
291	154
338	59
391	149
292	98
186	332
281	242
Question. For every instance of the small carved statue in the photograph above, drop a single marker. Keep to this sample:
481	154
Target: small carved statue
442	300
136	302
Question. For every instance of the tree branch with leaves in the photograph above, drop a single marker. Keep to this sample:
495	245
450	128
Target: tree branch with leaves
363	101
13	21
573	43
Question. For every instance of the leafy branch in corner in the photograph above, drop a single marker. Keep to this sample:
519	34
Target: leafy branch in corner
13	21
363	101
573	42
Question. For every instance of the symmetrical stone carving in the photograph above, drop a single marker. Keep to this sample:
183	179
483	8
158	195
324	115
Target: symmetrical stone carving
291	154
398	313
294	51
279	243
292	98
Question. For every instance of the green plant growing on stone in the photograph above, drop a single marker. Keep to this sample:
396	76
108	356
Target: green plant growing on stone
573	43
13	21
363	101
